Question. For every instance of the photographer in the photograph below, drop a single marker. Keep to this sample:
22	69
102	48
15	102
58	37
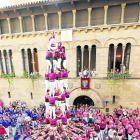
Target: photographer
21	124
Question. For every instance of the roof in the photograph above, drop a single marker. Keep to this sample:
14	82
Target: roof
33	4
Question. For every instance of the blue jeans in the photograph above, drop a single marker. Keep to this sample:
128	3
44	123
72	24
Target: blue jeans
90	120
21	129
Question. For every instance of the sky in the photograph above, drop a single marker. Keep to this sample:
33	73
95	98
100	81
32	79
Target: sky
6	3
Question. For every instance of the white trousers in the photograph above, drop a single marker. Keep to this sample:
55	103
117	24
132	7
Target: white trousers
65	64
120	137
51	85
47	107
33	123
60	84
99	135
13	131
55	62
66	84
64	126
56	84
68	120
129	137
67	102
59	63
102	134
7	130
86	119
59	121
47	85
59	103
52	110
63	107
49	65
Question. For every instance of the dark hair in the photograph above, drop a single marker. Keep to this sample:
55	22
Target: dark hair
51	70
16	133
48	90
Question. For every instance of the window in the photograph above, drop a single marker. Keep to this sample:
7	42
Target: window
6	59
31	95
36	60
4	26
127	56
53	21
114	14
113	99
78	60
40	23
30	61
24	58
97	16
67	20
9	95
11	61
131	13
62	60
1	62
82	18
86	57
27	24
93	58
15	25
111	57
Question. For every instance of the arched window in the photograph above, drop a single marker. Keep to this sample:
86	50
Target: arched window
1	62
111	57
118	57
127	55
24	58
30	61
11	61
93	57
78	60
62	60
86	57
6	59
36	60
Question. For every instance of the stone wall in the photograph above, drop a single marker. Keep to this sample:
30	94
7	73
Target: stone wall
126	92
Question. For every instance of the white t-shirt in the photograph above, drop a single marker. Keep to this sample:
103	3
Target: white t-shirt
123	69
85	72
111	133
27	118
90	115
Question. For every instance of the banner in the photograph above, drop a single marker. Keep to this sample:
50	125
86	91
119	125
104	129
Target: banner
85	83
66	35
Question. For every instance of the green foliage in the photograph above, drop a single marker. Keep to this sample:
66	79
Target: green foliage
117	77
32	77
8	76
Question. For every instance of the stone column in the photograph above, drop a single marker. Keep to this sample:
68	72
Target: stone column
89	16
21	27
9	25
105	15
122	16
74	18
115	49
4	63
46	21
26	52
82	53
10	65
33	22
89	59
33	62
123	51
59	14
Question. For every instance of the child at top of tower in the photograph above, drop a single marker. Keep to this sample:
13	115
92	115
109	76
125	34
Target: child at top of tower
52	46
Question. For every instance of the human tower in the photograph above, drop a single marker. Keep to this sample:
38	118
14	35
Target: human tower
57	91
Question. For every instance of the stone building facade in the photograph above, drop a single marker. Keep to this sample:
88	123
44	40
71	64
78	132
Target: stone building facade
94	24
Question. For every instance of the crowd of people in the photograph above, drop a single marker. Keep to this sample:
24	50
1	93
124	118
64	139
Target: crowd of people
82	122
87	73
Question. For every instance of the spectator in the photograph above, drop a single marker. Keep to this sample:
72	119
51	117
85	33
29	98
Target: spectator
17	136
111	133
115	137
20	123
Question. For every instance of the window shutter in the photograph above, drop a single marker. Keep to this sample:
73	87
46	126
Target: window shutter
67	20
53	21
4	26
15	25
131	13
97	16
114	14
82	18
40	23
27	24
